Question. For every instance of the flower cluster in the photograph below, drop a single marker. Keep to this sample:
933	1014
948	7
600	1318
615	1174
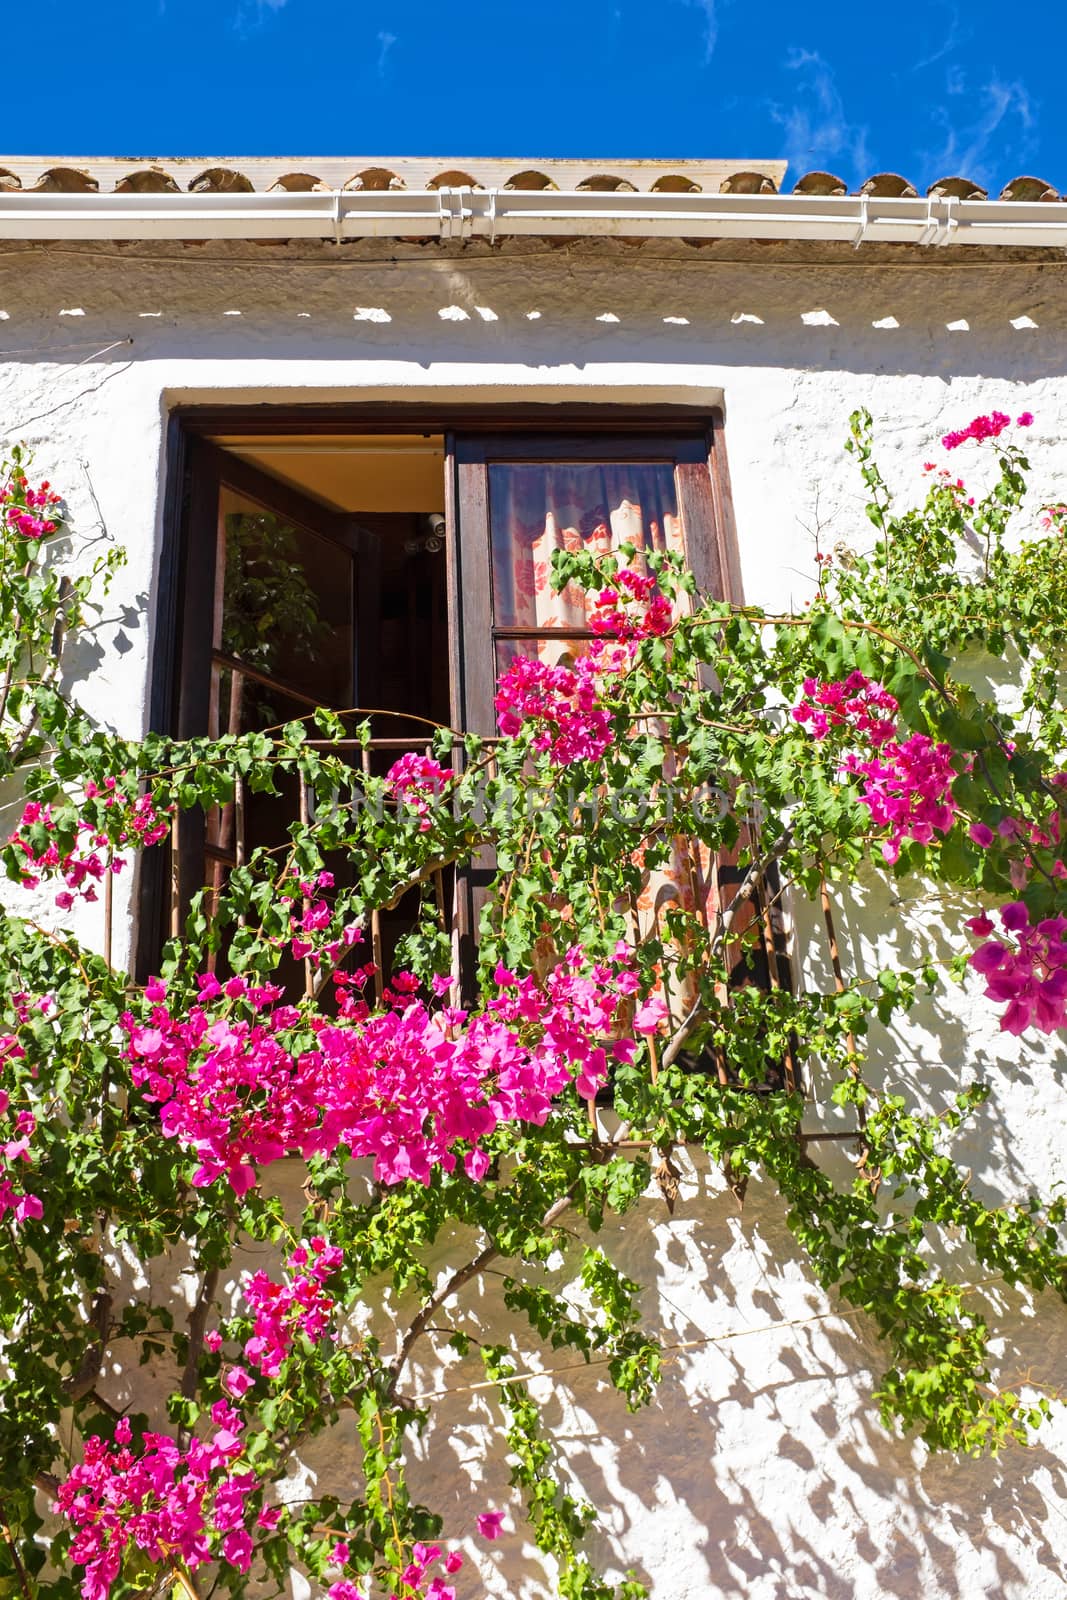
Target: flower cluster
990	427
29	513
174	1505
130	824
317	933
907	789
401	1085
412	1577
1042	835
953	487
564	705
856	703
416	781
561	704
634	609
906	785
1030	974
282	1310
16	1130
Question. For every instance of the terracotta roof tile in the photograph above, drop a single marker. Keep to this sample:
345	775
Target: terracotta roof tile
820	183
604	183
957	189
453	178
1028	189
529	178
147	180
748	183
66	180
888	186
376	179
300	183
675	183
221	180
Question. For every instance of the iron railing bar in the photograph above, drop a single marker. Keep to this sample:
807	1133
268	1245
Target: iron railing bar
531	632
375	918
219	658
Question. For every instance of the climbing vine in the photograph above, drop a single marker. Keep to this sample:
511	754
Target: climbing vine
451	1119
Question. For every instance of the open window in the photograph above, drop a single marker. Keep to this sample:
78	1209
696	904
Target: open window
397	566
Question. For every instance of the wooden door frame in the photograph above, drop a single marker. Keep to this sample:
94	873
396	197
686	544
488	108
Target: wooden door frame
184	626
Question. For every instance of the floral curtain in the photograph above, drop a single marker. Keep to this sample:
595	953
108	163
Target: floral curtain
538	509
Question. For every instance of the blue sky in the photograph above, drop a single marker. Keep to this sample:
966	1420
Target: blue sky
926	89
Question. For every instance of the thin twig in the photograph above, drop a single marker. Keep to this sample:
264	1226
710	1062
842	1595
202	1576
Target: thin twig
873	1177
197	1325
16	1559
459	1278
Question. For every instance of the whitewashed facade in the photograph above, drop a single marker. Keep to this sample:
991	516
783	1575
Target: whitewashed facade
762	1470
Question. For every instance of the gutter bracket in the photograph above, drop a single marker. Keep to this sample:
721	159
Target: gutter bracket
940	224
456	220
337	218
861	232
950	223
465	211
492	216
444	214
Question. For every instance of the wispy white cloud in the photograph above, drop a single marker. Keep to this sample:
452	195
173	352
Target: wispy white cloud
997	143
711	24
386	42
251	14
950	39
818	131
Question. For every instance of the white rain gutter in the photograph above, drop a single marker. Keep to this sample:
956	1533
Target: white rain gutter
457	214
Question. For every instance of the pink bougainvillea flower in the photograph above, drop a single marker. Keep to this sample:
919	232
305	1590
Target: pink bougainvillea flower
237	1381
650	1016
1026	972
167	1502
417	781
489	1524
990	427
343	1589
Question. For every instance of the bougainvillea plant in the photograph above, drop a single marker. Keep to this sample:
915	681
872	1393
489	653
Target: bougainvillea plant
446	1125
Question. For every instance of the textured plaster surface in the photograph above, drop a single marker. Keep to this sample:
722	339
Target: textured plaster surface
762	1469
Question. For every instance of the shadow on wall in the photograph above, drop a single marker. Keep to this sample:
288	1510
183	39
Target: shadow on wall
761	1469
542	307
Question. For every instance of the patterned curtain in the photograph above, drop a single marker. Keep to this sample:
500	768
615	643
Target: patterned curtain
538	509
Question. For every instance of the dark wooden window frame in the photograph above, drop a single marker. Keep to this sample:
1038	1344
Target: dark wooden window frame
181	622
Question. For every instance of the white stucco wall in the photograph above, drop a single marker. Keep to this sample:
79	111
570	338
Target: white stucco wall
762	1470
